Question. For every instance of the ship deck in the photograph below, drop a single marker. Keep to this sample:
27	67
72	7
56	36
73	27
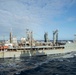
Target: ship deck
37	48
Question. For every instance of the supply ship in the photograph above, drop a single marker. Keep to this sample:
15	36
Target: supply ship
30	47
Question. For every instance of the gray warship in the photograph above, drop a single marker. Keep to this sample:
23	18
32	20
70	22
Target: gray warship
30	47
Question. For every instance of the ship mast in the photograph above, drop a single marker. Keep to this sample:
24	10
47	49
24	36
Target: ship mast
55	37
31	40
75	38
11	36
46	37
29	37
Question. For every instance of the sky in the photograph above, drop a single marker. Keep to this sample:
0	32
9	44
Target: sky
39	16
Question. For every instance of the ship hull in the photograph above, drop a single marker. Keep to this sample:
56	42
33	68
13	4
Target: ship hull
24	53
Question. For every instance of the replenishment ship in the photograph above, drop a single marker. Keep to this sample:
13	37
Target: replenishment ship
30	47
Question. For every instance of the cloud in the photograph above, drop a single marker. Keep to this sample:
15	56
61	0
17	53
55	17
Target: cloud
71	19
32	14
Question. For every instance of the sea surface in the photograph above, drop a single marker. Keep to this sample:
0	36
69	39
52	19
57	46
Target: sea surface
59	64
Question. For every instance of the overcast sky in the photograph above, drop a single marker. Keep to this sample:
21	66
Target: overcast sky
40	16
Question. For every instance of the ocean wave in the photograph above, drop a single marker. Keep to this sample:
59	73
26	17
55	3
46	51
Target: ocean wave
60	64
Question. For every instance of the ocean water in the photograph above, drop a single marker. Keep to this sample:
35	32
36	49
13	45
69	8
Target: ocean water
60	64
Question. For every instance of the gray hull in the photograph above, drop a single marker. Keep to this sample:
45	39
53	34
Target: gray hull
69	47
